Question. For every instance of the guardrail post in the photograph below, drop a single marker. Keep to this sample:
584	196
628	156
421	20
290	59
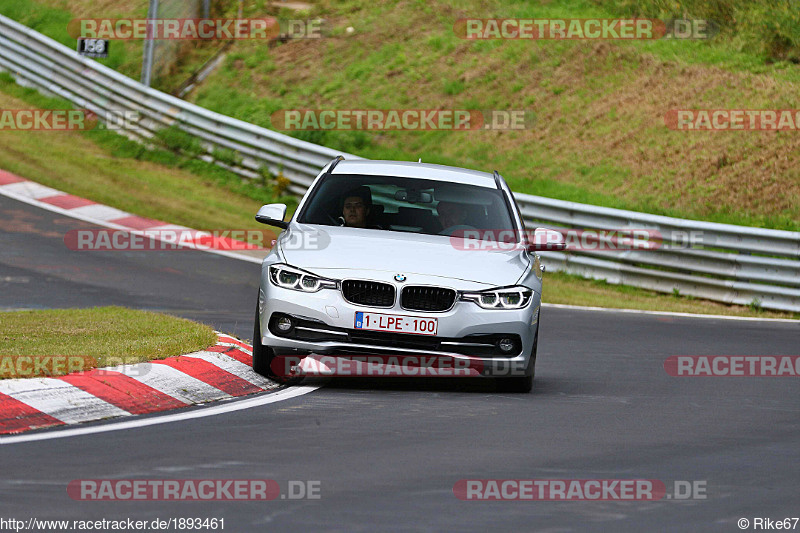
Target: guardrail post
147	58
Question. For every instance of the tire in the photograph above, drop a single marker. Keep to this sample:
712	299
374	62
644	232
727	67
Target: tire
262	358
521	384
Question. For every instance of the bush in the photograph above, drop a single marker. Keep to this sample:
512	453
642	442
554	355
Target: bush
229	157
177	140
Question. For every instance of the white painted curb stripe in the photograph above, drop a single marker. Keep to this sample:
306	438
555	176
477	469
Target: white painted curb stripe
232	345
75	213
228	364
173	382
99	212
60	400
30	189
70	404
237	405
169	227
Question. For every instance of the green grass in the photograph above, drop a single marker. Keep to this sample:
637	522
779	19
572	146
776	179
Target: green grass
110	169
100	336
599	136
754	35
125	56
52	18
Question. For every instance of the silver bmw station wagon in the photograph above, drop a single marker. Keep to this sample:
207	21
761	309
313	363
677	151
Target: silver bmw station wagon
405	259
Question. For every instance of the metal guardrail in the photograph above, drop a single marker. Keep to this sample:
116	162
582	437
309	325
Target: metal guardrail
734	264
41	62
726	263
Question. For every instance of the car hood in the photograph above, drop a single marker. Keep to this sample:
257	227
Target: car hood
328	250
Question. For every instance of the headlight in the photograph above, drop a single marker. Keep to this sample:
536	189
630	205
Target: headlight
288	277
504	298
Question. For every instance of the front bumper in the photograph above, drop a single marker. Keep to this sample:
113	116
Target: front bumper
324	324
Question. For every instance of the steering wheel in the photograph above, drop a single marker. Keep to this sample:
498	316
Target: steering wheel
459	227
334	220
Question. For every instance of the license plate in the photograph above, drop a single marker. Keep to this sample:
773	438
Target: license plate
396	323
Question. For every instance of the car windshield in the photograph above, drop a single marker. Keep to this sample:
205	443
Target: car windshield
413	205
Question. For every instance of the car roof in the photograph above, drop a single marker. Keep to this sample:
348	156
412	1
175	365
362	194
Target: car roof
408	169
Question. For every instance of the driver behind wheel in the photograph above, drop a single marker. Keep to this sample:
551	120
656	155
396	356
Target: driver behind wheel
356	207
451	214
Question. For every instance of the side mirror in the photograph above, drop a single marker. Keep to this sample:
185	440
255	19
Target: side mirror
273	214
546	240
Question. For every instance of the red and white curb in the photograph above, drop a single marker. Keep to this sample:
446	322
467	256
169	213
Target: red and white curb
220	372
51	199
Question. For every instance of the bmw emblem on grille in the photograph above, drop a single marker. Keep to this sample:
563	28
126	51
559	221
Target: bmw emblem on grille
399	277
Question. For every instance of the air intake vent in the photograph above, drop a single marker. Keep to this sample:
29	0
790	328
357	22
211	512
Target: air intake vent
420	298
370	293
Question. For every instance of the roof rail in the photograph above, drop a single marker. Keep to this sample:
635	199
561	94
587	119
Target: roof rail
497	180
335	162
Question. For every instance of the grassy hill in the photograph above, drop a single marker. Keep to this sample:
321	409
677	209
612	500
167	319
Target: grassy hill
599	134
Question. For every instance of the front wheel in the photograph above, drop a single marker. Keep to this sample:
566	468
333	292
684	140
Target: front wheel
264	358
524	383
262	355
